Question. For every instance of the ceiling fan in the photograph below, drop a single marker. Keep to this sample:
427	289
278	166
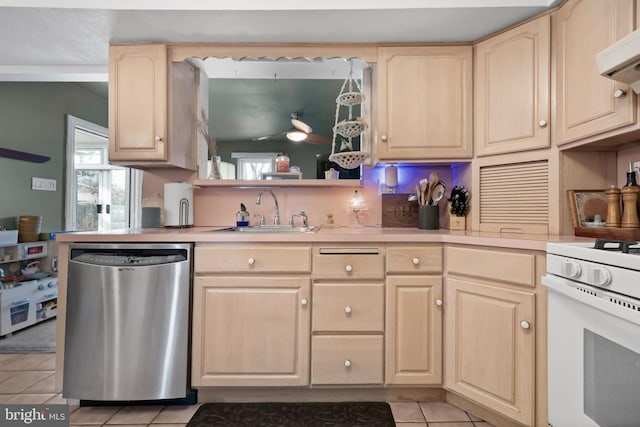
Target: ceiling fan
300	132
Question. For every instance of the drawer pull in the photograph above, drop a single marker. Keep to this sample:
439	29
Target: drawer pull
439	302
304	301
416	261
525	325
347	310
349	268
252	261
347	363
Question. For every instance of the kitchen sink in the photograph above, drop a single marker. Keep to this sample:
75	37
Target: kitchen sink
272	229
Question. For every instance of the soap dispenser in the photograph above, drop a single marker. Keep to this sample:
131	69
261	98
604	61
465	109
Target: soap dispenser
242	216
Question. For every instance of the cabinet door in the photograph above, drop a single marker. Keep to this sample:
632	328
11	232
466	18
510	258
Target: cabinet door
424	103
251	331
512	90
489	347
137	103
414	330
586	104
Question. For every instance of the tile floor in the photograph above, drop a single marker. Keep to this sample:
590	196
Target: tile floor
29	378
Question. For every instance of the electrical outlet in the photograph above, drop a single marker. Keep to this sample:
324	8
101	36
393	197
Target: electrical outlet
43	184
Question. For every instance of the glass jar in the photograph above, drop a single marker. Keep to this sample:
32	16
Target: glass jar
282	163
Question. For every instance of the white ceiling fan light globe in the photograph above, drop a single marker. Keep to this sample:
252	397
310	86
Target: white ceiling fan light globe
296	136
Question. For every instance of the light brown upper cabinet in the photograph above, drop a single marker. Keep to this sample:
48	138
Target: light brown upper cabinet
588	104
140	102
424	103
512	90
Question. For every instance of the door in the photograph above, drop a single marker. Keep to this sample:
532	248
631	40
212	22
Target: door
99	197
251	331
489	347
425	101
414	330
587	103
512	89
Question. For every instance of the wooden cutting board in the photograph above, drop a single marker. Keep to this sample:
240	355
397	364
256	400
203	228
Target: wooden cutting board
397	211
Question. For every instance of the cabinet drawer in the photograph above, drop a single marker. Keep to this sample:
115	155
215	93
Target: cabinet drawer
414	259
518	268
340	307
252	259
346	359
343	264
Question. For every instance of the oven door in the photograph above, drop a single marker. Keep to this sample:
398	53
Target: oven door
594	358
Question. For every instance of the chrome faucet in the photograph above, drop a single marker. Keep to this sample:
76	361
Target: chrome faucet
303	215
276	219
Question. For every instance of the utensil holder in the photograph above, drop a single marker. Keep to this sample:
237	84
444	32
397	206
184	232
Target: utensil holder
428	217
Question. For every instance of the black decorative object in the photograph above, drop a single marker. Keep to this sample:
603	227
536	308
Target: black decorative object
21	155
459	200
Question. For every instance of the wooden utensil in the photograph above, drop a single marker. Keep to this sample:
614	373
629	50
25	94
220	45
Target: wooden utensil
434	179
424	185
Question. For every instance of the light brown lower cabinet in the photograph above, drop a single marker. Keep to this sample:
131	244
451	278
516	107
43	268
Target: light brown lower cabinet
414	330
490	346
251	331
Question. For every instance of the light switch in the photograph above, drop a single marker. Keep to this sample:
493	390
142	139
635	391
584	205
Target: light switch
44	184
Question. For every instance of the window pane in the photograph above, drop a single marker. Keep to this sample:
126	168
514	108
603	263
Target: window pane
88	156
119	218
87	195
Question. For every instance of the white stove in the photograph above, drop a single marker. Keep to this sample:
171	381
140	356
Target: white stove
594	333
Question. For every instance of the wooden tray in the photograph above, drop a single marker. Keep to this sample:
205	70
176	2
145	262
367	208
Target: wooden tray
609	233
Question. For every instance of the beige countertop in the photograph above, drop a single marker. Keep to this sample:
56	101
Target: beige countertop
324	235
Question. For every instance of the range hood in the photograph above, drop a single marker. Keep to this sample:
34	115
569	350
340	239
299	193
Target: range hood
621	61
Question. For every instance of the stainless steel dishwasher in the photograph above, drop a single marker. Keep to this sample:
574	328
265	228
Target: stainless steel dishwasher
127	322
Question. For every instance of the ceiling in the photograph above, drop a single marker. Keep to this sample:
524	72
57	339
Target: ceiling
69	39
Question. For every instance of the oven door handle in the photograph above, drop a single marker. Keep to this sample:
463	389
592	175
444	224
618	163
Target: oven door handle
561	286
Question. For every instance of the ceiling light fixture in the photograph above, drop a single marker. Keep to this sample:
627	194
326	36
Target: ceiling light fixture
296	136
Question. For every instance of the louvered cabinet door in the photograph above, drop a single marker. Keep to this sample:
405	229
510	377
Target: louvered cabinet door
512	197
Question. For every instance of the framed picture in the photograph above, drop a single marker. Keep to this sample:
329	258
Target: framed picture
584	205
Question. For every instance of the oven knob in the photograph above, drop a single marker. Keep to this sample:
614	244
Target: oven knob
571	269
51	284
41	287
598	276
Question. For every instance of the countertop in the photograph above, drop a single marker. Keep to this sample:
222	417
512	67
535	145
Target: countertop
324	235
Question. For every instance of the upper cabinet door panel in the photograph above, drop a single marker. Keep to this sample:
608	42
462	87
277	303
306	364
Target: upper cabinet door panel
137	103
586	104
512	90
424	99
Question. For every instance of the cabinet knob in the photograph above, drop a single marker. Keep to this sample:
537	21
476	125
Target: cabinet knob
347	363
348	310
384	138
524	324
619	93
251	261
158	138
349	268
304	301
416	261
542	123
439	302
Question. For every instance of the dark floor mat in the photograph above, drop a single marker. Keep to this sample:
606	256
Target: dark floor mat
344	414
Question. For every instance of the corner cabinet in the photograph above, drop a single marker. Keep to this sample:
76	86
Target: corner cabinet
143	91
424	103
588	104
251	315
512	81
492	332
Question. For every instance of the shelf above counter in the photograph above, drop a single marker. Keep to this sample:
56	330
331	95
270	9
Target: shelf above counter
317	183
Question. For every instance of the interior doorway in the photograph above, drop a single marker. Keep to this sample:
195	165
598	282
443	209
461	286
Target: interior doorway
99	196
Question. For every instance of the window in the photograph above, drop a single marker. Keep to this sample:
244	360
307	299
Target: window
99	196
251	165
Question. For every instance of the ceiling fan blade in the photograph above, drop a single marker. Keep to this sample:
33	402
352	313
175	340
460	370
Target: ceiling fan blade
278	135
314	138
299	124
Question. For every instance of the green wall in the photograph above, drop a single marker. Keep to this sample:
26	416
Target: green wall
32	119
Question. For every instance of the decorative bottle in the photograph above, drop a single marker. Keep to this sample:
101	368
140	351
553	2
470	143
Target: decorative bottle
630	201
